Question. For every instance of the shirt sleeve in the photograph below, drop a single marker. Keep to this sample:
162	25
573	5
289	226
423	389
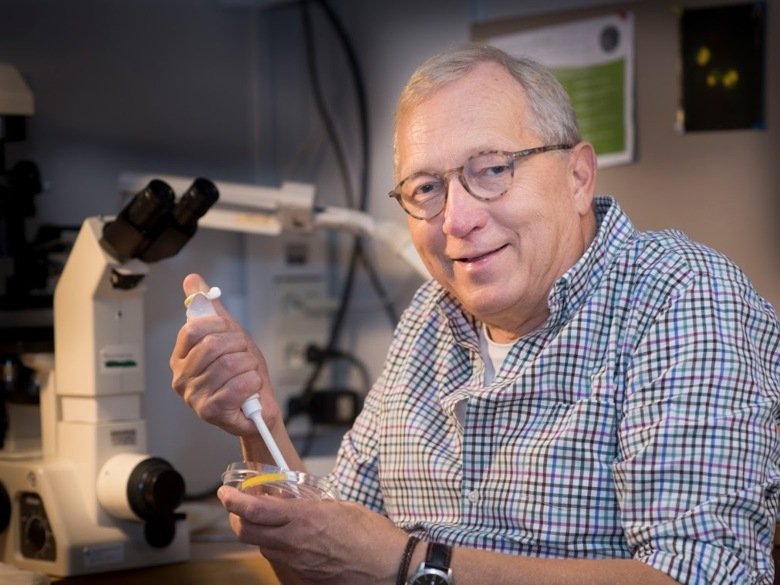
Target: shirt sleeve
697	475
356	474
357	471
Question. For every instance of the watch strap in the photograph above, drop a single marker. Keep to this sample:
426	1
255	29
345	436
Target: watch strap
438	556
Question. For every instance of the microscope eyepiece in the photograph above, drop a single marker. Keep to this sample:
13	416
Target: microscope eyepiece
154	226
139	223
195	202
182	223
150	204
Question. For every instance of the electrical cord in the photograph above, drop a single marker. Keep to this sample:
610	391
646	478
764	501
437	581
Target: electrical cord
322	109
314	354
358	255
360	93
387	304
333	406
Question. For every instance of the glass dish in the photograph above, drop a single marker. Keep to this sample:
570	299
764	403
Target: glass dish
261	479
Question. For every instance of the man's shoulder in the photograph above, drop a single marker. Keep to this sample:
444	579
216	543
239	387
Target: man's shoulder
665	265
672	251
650	252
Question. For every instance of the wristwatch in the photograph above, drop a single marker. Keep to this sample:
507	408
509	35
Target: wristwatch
435	569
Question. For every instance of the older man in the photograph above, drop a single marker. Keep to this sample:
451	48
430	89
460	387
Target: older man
569	400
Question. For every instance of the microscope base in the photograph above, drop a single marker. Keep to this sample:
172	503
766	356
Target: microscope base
52	530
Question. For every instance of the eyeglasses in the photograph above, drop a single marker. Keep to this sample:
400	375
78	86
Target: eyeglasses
486	176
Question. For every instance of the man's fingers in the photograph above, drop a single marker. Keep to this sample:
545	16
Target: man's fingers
194	283
268	511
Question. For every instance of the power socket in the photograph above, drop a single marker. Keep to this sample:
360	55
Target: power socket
287	304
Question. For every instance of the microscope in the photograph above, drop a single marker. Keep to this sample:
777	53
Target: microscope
79	494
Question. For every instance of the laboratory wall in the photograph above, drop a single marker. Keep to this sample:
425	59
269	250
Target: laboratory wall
221	88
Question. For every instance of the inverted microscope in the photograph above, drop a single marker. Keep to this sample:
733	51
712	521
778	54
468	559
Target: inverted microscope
79	494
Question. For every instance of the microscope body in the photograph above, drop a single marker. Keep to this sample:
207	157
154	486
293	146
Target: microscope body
78	492
91	499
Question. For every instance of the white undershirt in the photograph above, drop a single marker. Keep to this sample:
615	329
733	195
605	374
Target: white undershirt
493	355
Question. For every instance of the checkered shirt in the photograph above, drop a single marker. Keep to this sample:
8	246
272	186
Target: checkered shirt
638	422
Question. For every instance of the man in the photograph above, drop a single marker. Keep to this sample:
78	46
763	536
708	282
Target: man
569	400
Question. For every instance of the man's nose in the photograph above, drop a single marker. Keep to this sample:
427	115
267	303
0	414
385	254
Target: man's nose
460	213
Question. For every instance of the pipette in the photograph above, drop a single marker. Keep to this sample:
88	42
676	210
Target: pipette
199	304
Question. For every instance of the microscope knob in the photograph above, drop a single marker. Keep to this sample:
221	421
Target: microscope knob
155	489
36	533
160	532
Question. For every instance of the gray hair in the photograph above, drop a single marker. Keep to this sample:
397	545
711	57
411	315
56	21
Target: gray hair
552	116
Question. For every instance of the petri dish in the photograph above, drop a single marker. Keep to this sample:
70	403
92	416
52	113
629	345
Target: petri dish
261	479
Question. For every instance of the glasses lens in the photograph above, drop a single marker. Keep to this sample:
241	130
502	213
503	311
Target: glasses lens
422	195
489	175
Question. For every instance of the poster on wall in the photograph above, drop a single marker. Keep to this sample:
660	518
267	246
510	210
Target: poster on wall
594	60
722	52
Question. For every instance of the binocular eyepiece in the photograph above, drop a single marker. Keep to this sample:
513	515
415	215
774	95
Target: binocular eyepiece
153	225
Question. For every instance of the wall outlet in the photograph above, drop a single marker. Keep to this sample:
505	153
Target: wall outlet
288	307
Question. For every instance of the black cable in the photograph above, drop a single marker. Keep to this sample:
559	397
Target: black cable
360	94
301	405
315	354
358	254
358	250
322	110
387	304
362	101
338	322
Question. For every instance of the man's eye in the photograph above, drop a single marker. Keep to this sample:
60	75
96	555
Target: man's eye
426	189
493	171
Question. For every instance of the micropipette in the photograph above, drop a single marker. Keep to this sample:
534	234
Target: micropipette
199	304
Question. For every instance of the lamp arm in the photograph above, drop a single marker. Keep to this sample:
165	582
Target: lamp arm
255	209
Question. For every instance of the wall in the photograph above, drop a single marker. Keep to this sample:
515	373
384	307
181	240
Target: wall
220	88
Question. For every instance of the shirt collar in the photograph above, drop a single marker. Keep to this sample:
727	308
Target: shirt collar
614	230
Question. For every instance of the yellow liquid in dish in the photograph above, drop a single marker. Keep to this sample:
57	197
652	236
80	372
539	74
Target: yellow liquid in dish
263	478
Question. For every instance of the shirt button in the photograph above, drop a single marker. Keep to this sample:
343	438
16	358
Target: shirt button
473	496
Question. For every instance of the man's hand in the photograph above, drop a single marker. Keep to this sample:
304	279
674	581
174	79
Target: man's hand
320	542
216	366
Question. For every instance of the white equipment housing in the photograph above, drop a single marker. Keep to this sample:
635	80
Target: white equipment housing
73	510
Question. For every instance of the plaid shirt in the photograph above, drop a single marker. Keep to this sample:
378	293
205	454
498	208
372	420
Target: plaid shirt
638	422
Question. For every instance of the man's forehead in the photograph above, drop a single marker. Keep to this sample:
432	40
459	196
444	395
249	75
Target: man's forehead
483	110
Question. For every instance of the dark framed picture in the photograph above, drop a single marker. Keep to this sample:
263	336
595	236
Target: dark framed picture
723	67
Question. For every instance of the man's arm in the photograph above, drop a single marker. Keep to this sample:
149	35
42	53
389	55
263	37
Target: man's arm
473	567
697	474
330	543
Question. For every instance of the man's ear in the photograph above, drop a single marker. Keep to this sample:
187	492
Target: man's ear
583	175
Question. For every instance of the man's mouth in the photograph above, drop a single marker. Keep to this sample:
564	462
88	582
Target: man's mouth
478	257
